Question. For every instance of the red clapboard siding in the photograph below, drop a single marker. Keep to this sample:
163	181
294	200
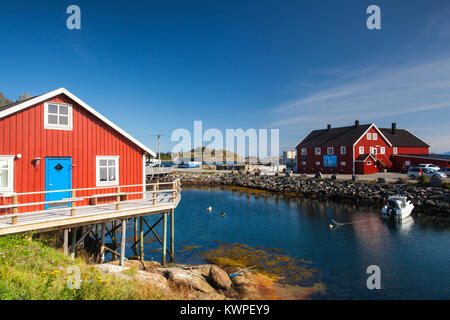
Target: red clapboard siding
24	133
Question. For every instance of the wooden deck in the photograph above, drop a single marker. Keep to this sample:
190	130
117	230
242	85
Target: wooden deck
55	219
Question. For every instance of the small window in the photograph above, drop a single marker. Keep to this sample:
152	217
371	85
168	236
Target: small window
304	163
369	163
361	150
6	174
330	150
303	151
343	163
318	163
343	150
374	136
373	150
317	151
369	136
395	150
382	150
57	116
107	170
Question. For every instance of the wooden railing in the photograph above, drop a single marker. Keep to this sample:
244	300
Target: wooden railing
170	190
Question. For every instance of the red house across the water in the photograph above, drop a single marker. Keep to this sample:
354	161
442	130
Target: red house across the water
56	141
357	149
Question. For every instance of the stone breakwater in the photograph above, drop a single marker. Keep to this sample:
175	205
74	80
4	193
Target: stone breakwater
426	199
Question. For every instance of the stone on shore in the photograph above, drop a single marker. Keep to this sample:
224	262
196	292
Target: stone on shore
219	278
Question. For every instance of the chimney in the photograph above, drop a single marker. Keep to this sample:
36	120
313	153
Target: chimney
356	123
394	127
328	126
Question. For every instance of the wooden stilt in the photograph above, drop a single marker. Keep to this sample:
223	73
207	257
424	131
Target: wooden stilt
135	235
164	249
114	239
66	241
141	238
73	247
172	235
122	243
102	243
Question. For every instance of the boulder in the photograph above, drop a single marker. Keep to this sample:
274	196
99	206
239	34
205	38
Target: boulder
318	175
381	180
334	177
188	278
155	279
435	181
219	278
354	178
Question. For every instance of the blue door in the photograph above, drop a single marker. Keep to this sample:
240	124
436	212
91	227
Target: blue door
58	176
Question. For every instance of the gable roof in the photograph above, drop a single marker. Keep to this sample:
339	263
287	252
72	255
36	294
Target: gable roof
403	138
343	136
16	107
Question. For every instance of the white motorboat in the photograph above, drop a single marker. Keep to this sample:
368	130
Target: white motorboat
397	207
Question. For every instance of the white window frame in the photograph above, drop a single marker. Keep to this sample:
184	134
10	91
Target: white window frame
373	150
369	136
330	149
394	151
303	163
68	126
369	163
344	149
343	163
317	163
382	150
117	167
303	152
317	151
10	187
361	148
374	136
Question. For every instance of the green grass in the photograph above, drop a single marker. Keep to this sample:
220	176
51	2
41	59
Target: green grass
31	269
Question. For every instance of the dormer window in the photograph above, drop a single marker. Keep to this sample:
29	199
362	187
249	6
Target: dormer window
57	116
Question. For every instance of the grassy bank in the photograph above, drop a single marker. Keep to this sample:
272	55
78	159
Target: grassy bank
32	269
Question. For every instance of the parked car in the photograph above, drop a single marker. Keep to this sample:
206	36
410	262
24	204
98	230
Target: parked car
446	171
415	172
429	166
405	169
433	173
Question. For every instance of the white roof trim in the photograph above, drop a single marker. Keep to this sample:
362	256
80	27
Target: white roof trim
379	132
56	92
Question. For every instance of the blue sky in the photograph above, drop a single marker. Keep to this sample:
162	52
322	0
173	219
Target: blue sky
155	66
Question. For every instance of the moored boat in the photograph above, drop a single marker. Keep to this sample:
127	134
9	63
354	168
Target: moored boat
397	207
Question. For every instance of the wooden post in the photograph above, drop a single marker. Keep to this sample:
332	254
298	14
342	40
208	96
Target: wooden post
122	243
102	243
74	240
66	241
15	209
118	198
135	236
72	203
141	238
172	234
164	249
154	194
114	239
174	186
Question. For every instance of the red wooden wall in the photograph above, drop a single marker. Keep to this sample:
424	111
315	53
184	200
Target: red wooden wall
24	133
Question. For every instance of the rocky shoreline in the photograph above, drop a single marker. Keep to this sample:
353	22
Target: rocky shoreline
206	282
428	200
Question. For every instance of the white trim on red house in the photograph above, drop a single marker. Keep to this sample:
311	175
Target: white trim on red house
378	130
59	91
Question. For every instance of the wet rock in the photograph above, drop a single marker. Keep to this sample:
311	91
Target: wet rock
219	278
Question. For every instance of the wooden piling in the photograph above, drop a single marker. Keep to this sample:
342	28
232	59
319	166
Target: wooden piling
154	194
122	242
172	234
66	241
118	199
74	240
164	249
102	243
135	236
141	238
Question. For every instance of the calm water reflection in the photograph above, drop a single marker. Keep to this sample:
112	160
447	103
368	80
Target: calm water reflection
414	257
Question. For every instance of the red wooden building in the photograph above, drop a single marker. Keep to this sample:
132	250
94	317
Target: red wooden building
357	149
56	141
